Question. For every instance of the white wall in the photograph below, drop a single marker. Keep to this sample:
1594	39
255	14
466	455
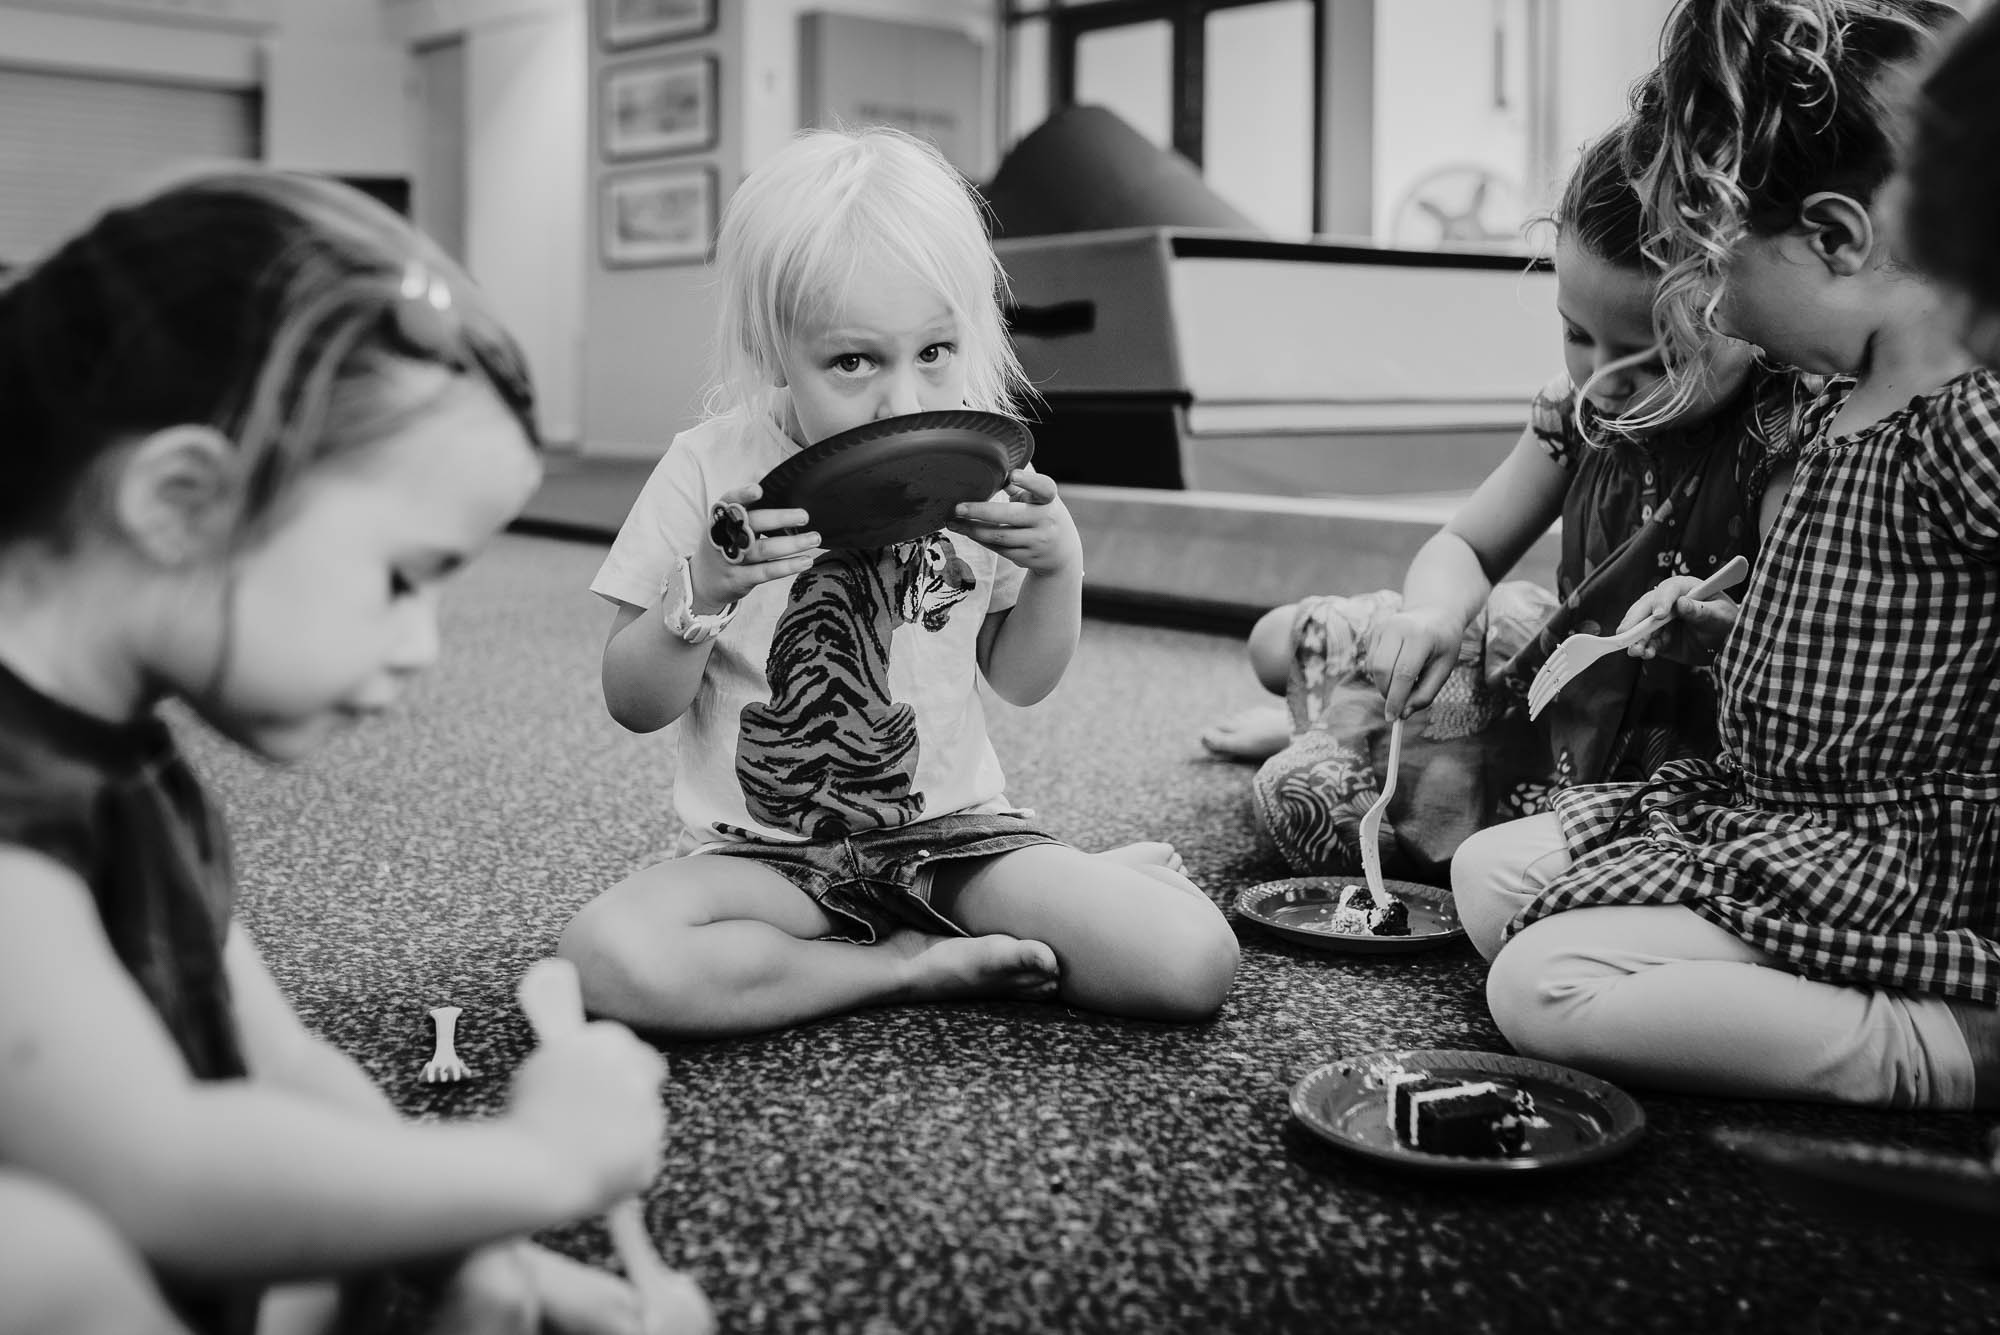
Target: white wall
768	89
336	90
225	56
525	209
423	20
526	139
1600	52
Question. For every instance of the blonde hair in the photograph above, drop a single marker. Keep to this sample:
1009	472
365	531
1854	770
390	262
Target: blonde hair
830	203
1755	106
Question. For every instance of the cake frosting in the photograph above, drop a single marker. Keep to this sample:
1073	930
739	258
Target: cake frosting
1476	1118
1361	911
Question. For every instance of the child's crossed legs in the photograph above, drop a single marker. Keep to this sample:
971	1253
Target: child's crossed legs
707	945
1660	996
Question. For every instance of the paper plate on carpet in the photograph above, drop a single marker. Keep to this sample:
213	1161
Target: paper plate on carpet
1339	913
890	481
1467	1113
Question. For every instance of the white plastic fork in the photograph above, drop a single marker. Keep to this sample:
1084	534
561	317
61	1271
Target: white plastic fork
444	1065
1371	823
1578	652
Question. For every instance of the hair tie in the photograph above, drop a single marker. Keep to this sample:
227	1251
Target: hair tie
426	320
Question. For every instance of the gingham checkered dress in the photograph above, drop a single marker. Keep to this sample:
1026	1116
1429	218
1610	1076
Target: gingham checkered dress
1851	827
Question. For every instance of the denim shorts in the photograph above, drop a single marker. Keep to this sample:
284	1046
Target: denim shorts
878	881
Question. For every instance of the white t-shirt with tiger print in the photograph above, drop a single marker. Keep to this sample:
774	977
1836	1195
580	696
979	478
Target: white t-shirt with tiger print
841	700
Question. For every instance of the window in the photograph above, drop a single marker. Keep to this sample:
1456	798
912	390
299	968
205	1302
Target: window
1405	123
1228	84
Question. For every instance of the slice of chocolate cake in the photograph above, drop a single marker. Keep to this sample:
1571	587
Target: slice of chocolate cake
1478	1118
1362	912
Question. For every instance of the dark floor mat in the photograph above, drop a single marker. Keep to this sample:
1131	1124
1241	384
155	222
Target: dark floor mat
1009	1167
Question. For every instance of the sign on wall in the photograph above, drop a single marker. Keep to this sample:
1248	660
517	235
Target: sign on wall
918	77
659	106
659	215
626	23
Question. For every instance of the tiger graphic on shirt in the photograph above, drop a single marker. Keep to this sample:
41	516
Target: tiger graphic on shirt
830	752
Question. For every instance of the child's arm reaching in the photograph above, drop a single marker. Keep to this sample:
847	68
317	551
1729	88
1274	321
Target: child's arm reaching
651	672
282	1052
1454	571
1024	650
243	1179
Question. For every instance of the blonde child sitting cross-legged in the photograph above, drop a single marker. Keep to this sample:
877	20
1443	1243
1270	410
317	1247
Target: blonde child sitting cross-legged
849	839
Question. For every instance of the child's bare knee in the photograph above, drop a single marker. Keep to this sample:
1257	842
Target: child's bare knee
1198	956
1270	646
619	966
1484	906
66	1272
1212	973
588	938
1530	1010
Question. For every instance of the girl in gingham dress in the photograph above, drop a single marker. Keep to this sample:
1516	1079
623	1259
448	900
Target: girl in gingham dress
1814	913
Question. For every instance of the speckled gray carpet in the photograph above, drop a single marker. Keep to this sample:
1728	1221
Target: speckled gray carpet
1009	1167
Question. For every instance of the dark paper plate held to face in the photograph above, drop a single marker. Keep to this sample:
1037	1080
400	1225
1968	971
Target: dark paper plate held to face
899	478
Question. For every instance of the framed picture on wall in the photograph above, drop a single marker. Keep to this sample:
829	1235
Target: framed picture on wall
626	23
662	215
658	106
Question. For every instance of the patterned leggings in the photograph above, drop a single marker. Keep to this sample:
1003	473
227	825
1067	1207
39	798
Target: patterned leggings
1657	995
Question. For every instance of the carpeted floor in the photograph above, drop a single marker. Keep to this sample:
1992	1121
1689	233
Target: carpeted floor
1009	1167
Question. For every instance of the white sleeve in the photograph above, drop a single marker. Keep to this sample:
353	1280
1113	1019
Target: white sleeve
668	518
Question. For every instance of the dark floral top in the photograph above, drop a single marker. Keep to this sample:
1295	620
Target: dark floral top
1682	502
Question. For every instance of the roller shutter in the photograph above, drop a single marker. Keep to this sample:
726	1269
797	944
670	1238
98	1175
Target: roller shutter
68	142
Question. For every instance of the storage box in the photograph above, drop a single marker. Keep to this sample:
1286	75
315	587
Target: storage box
1207	360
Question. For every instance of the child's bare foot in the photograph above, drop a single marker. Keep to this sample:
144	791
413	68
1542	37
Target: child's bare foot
940	967
1257	733
1147	853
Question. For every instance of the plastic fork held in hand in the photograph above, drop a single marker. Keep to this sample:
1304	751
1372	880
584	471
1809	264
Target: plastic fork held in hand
1371	823
444	1065
1578	652
670	1303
